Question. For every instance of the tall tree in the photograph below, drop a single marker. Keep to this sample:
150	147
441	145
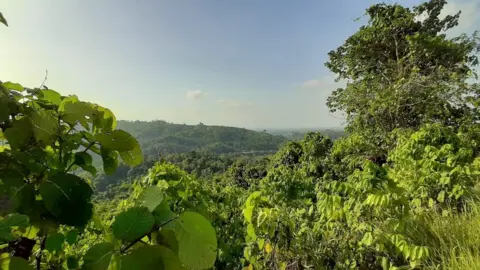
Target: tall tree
402	70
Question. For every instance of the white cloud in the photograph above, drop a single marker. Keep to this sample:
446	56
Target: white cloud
469	19
195	94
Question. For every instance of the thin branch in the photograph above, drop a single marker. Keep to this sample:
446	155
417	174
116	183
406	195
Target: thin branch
84	151
125	248
44	80
39	254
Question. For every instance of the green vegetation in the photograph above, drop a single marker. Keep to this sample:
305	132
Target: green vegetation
399	190
47	209
160	137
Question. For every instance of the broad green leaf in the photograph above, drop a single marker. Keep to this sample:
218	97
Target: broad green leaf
17	263
98	257
72	262
110	160
9	85
115	262
151	197
74	111
84	161
67	197
15	220
133	157
103	120
133	223
49	96
6	235
82	158
166	237
3	20
118	140
32	160
197	241
71	237
151	257
19	134
31	232
12	220
24	198
169	259
54	242
45	126
162	213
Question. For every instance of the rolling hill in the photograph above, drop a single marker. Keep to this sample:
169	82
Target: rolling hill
160	137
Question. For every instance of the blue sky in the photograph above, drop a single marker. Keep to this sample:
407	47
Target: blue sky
246	63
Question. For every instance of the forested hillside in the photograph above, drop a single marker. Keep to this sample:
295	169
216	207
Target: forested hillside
399	190
299	133
166	138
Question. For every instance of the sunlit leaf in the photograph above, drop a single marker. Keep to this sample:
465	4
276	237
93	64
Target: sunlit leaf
151	197
45	126
10	85
197	241
98	257
268	248
133	223
49	96
118	140
20	133
151	257
75	112
162	213
133	157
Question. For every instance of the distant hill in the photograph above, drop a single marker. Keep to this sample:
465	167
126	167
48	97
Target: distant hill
299	133
160	137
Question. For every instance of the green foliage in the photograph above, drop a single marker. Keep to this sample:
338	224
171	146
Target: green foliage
54	242
50	138
67	197
197	242
403	72
98	256
133	223
3	20
399	191
162	137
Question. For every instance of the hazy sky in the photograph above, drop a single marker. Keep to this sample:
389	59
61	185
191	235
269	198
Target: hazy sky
247	63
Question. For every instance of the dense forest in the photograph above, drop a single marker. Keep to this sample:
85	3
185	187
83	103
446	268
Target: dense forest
160	137
398	190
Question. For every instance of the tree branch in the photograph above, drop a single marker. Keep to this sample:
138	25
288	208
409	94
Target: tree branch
39	255
84	151
139	239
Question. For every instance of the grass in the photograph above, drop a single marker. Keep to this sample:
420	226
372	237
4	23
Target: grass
453	241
